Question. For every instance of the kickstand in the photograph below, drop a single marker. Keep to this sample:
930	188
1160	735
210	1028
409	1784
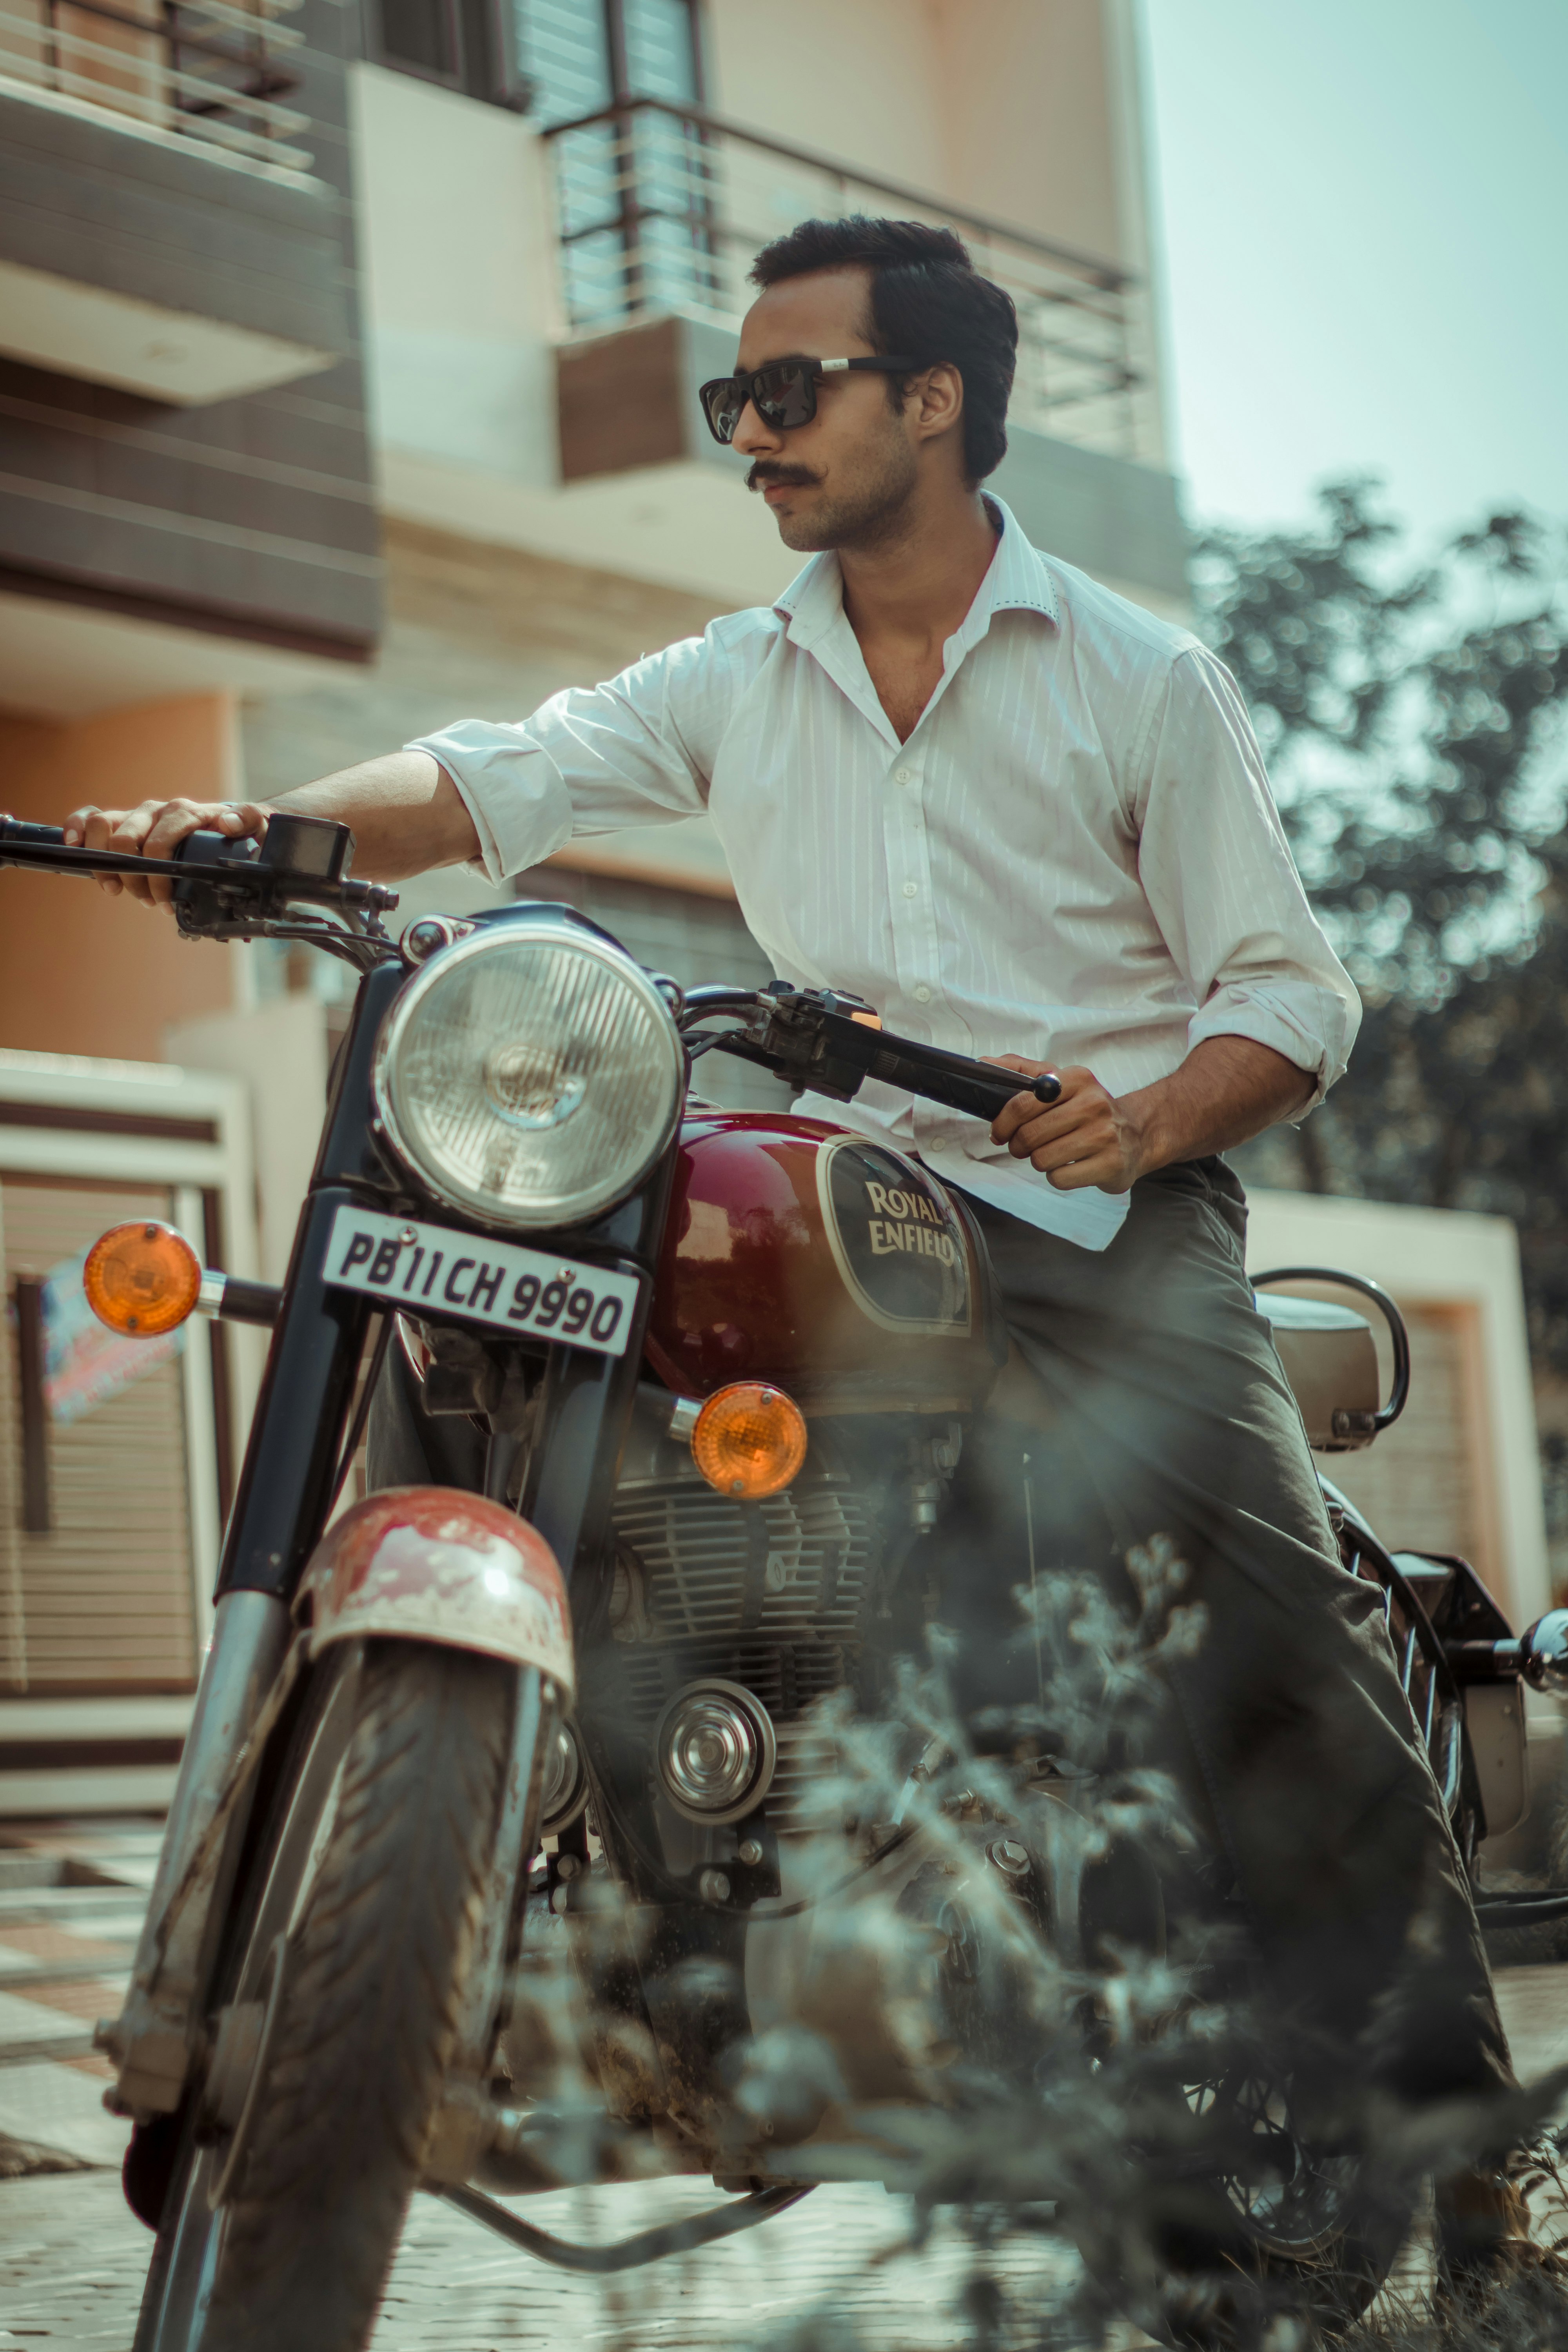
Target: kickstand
627	2253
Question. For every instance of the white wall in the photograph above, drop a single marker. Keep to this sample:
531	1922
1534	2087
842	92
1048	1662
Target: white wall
459	276
461	327
279	1052
1446	1258
1005	106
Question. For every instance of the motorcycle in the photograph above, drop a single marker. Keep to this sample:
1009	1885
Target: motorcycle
715	1371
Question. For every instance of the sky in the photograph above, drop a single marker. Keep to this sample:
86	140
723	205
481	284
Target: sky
1365	222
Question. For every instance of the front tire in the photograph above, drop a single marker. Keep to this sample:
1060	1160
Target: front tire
370	1889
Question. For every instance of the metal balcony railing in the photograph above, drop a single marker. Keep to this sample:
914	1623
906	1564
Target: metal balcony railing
212	70
661	207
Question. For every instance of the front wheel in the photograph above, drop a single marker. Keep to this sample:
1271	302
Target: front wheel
368	1890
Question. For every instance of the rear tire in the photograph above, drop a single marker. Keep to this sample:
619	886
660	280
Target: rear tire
1219	2262
374	1871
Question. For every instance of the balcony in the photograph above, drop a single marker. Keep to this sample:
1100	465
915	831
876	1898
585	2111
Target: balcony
201	87
661	209
175	256
216	72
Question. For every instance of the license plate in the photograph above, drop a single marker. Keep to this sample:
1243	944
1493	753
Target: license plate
430	1270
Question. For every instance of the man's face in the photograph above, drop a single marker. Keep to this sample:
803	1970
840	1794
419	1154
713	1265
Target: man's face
843	479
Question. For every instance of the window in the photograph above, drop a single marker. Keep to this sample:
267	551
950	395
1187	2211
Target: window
423	37
553	59
563	50
575	56
631	195
463	44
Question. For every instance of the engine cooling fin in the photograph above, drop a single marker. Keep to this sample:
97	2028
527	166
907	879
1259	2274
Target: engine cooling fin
793	1566
772	1595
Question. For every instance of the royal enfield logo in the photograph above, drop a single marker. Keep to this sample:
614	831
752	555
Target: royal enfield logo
909	1222
895	1238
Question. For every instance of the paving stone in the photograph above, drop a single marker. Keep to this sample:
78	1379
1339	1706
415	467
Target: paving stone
59	2107
73	2260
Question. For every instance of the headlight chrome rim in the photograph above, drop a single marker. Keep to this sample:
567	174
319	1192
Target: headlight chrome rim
555	1209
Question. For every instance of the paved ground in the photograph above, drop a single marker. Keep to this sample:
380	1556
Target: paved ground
72	2259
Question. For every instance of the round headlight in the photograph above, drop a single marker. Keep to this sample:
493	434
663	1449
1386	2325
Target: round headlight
531	1075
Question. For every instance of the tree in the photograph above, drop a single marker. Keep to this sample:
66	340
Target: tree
1413	718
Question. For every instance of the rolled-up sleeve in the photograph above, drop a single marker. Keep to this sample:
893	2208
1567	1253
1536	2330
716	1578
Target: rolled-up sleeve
635	750
1217	872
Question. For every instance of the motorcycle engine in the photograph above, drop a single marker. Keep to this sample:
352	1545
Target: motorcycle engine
779	1598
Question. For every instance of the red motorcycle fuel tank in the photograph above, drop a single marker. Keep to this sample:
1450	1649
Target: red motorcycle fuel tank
805	1254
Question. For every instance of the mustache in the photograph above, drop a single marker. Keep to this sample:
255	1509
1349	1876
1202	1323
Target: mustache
762	476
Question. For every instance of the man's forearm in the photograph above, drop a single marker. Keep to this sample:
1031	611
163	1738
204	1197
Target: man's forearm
1226	1091
406	814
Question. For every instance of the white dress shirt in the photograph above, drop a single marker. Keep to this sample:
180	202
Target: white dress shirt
1075	855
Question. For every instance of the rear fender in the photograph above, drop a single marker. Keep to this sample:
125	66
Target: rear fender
432	1564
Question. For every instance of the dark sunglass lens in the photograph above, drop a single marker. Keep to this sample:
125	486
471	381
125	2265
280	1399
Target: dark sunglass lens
725	401
787	395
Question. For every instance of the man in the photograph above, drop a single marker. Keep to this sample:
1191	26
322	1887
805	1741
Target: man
1027	821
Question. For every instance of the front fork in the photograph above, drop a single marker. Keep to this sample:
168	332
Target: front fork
150	2041
159	2041
425	1565
467	2121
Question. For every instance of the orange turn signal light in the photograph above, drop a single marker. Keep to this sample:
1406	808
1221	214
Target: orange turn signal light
749	1441
141	1279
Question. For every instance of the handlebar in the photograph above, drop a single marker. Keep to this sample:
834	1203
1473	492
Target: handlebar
219	882
226	888
832	1042
954	1079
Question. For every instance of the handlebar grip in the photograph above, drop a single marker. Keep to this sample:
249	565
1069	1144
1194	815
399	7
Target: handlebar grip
1047	1088
984	1094
35	837
963	1084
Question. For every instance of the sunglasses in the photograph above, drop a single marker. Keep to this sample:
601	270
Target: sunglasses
783	394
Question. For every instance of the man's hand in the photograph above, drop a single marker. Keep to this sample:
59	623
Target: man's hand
1086	1137
404	811
156	830
1226	1091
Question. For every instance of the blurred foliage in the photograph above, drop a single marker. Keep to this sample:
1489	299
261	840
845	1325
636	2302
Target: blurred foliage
1413	721
1074	2074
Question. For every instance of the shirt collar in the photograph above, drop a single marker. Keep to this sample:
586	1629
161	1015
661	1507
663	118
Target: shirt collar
1018	581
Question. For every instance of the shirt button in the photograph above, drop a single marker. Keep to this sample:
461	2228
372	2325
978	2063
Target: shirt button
911	890
923	995
903	775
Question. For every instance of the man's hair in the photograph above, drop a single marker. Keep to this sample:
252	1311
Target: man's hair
927	299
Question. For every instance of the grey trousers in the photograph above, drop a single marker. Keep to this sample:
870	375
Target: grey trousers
1172	1415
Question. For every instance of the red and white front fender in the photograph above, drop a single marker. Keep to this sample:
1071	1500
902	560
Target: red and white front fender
433	1564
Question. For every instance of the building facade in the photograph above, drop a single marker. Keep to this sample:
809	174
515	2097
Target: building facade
348	355
348	352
